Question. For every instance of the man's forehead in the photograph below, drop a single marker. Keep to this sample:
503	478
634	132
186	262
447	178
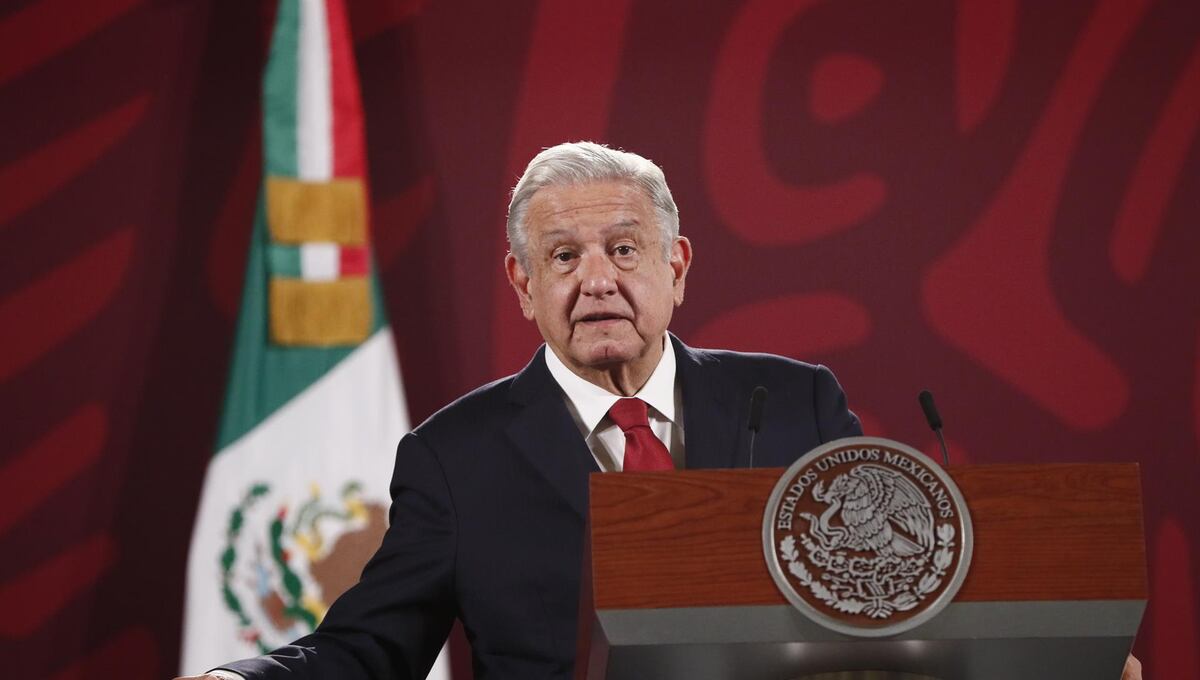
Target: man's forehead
587	197
600	205
618	227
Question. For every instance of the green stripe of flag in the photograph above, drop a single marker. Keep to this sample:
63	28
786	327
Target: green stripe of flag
284	260
280	94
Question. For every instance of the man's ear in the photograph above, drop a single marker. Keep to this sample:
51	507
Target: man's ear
681	260
519	280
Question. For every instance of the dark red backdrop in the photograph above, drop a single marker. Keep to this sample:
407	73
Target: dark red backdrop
992	199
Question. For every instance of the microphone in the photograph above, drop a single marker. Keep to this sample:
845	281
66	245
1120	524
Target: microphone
757	399
935	422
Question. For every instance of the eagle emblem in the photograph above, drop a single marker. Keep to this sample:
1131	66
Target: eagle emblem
867	536
879	511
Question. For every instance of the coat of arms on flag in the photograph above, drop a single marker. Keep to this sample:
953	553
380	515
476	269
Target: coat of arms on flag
281	565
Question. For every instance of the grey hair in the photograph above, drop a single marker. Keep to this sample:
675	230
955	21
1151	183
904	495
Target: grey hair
581	162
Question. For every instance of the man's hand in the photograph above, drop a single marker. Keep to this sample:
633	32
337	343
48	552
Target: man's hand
1133	669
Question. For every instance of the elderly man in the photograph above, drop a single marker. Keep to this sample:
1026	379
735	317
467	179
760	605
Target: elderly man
490	494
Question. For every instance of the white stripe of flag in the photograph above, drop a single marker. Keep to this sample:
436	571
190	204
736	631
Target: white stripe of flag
320	261
314	110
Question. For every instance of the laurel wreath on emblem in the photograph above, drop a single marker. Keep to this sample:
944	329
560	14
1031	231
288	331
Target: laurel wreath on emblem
292	585
237	519
877	587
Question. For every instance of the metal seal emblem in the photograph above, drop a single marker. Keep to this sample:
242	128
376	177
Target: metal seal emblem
867	536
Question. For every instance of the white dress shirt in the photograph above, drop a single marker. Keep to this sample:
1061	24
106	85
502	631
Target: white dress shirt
589	404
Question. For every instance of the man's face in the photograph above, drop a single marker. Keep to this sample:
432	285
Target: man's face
598	285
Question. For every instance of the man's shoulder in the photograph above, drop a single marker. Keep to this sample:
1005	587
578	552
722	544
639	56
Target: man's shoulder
739	372
795	386
752	364
480	405
734	357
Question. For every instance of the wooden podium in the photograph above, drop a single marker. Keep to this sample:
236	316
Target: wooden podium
676	585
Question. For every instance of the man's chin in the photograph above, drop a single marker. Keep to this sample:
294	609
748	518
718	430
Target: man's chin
606	354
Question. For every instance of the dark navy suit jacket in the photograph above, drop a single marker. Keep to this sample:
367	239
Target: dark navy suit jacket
488	503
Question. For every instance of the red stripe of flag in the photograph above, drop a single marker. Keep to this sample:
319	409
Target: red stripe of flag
353	261
345	101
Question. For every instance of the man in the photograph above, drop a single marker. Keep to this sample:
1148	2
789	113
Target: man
490	493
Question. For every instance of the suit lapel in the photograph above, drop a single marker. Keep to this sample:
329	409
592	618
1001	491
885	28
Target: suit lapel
711	421
545	434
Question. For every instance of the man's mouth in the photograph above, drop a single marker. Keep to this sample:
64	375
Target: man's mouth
599	318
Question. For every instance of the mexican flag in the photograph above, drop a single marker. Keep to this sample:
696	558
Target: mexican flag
295	499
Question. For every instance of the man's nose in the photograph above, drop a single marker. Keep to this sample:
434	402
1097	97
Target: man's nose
597	275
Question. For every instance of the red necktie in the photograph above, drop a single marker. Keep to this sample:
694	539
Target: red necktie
643	451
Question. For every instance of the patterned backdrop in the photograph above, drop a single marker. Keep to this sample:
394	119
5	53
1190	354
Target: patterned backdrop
992	199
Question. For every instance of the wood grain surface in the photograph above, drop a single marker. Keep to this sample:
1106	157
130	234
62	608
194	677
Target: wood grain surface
694	538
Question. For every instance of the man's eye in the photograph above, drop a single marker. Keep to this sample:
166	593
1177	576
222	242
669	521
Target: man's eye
563	256
623	250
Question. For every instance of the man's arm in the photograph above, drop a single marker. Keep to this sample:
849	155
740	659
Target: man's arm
834	418
393	622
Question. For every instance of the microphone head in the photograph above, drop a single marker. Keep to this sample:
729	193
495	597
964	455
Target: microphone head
757	399
931	412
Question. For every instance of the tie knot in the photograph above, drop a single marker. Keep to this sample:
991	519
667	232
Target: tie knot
629	414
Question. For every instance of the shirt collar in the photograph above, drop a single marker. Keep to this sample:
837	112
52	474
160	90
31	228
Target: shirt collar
592	402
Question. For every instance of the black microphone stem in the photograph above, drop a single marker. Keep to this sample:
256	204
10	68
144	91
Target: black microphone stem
757	398
925	398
